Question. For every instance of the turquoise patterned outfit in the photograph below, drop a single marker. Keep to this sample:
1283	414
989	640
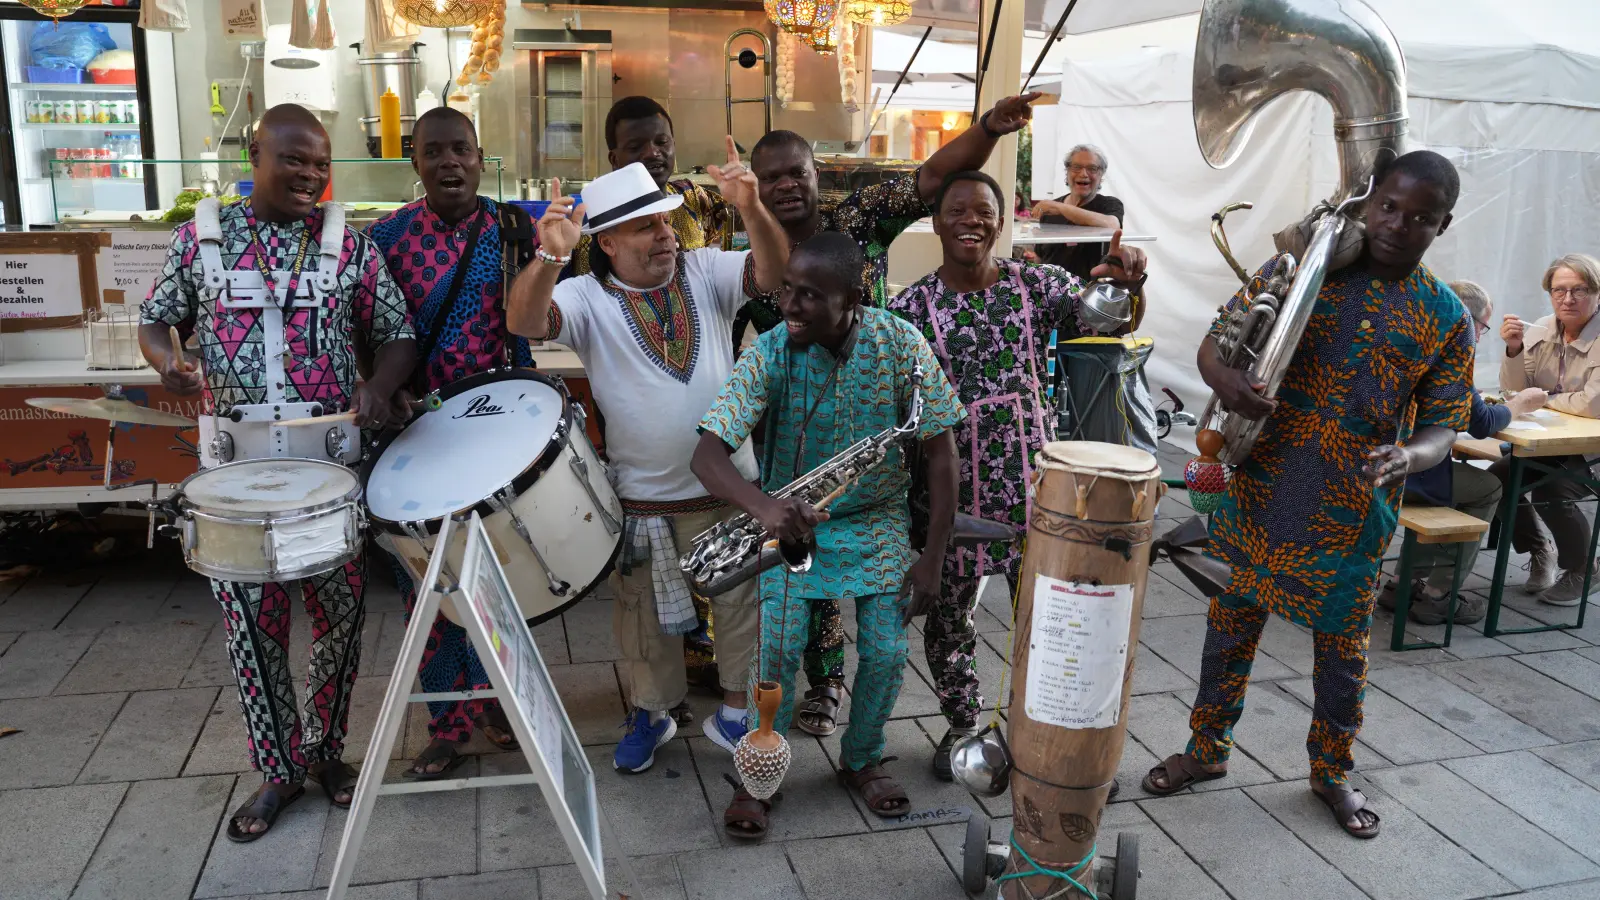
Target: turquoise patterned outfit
863	550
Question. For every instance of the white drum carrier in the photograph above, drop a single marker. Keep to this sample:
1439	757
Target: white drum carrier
511	445
270	503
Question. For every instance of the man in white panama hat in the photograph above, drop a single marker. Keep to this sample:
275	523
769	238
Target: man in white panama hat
651	322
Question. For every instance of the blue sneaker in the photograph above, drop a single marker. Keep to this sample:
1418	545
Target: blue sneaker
637	752
725	733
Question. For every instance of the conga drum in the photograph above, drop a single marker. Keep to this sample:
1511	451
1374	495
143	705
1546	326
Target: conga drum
1077	629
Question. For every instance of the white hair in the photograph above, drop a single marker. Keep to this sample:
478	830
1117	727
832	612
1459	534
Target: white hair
1087	148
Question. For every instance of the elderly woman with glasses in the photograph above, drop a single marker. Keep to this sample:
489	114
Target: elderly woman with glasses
1083	204
1561	354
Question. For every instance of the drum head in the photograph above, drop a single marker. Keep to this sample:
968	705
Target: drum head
1108	460
269	486
476	442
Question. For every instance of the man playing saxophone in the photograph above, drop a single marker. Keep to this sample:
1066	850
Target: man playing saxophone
835	374
1379	385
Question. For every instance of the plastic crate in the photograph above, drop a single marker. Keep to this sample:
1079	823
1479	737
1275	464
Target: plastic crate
42	75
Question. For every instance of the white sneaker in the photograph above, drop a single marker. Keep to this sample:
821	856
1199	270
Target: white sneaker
1541	568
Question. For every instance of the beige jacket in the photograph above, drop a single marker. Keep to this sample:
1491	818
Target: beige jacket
1540	364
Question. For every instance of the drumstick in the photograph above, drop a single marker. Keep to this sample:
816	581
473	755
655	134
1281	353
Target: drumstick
177	342
426	404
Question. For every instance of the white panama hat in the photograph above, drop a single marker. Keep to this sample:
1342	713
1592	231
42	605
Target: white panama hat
627	193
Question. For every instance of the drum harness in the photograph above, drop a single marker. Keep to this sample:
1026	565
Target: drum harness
252	430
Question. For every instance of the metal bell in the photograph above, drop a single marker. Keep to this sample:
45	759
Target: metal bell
983	762
1104	307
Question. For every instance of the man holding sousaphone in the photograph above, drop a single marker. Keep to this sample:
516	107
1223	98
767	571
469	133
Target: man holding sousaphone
1378	386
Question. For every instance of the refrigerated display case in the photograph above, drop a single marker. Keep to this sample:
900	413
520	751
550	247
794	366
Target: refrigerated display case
50	112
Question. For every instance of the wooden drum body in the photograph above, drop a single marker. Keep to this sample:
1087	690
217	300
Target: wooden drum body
1077	630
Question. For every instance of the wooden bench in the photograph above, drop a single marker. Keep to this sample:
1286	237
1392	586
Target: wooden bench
1432	525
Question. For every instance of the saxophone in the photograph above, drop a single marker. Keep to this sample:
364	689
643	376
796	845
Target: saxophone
738	549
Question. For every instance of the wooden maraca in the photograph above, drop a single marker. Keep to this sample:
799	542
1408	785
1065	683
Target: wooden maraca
1205	476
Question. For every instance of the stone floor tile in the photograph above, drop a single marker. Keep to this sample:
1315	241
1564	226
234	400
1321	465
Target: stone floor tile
38	660
1467	715
1179	640
389	890
212	664
1398	732
1288	644
291	861
1588	890
191	599
890	865
1574	671
1273	731
151	736
1541	793
1410	860
1165	870
7	638
515	828
1161	723
1470	816
814	804
593	700
659	874
409	835
1528	696
1466	641
121	598
551	639
1539	641
520	884
1154	675
934	727
1162	598
382	596
1581	761
58	736
43	601
667	811
760	872
135	658
1137	760
589	632
1254	856
912	768
47	836
157	843
365	704
220	748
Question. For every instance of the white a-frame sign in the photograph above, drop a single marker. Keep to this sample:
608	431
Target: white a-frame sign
496	628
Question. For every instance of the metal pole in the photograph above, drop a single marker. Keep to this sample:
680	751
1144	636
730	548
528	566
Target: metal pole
1048	43
983	65
901	80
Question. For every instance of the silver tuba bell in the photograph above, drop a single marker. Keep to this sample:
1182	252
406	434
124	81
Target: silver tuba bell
1249	52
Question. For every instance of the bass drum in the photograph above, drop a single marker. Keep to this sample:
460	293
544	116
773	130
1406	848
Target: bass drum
511	445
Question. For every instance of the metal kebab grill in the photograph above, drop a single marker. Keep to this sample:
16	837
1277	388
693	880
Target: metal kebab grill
738	549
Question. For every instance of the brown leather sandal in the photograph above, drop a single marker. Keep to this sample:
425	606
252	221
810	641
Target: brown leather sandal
746	817
1346	802
819	712
883	795
1181	771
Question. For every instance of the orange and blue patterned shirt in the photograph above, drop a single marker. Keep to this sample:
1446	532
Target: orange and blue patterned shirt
819	404
1302	529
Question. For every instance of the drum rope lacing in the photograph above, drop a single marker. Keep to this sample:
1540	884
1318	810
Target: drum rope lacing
1069	876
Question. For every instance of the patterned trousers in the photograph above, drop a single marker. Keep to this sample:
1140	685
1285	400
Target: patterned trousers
449	663
282	744
1339	681
824	656
950	640
882	650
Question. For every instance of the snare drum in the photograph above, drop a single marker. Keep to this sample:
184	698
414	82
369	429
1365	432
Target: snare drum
510	444
261	520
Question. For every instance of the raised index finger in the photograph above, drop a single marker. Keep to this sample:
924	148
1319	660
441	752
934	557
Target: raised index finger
733	151
1116	243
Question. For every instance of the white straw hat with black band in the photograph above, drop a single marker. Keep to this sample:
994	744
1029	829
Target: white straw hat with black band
627	193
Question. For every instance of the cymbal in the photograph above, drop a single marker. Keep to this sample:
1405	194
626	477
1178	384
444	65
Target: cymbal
111	410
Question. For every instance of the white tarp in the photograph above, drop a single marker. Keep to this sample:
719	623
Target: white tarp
1524	131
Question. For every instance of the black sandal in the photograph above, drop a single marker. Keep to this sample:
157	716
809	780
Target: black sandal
437	750
264	805
819	712
498	721
336	776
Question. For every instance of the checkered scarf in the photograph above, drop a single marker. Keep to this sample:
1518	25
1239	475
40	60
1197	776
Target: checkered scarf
652	538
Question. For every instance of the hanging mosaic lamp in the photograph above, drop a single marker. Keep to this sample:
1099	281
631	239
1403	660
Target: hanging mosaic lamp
446	13
825	41
55	9
877	12
802	18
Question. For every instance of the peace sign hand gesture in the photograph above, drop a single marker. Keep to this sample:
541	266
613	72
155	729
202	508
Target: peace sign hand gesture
736	182
560	226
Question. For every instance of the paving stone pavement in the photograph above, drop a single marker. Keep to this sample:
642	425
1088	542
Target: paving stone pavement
1484	761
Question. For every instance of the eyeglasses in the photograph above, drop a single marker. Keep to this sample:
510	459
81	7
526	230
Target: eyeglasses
1579	294
1078	170
1483	328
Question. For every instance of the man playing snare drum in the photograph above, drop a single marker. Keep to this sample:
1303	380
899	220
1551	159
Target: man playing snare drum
650	323
277	231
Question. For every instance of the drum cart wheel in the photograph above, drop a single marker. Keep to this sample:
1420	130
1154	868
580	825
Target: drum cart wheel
1120	881
981	861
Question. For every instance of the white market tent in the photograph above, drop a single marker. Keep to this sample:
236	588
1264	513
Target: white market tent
1512	96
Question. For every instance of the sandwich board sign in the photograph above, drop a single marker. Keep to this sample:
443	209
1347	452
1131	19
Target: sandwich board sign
494	624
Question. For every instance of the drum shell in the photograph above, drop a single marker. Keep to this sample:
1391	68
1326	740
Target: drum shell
232	546
1102	537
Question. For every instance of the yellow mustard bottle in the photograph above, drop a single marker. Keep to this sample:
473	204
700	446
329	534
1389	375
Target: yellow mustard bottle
389	125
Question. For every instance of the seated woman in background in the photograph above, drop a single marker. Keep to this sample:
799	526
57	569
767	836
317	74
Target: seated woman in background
1560	354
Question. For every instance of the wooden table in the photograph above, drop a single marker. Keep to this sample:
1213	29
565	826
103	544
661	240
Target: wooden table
1560	435
1033	233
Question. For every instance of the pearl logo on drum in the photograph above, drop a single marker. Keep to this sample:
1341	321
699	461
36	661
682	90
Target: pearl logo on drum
479	406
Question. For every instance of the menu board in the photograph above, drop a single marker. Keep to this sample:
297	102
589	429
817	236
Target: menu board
1078	652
